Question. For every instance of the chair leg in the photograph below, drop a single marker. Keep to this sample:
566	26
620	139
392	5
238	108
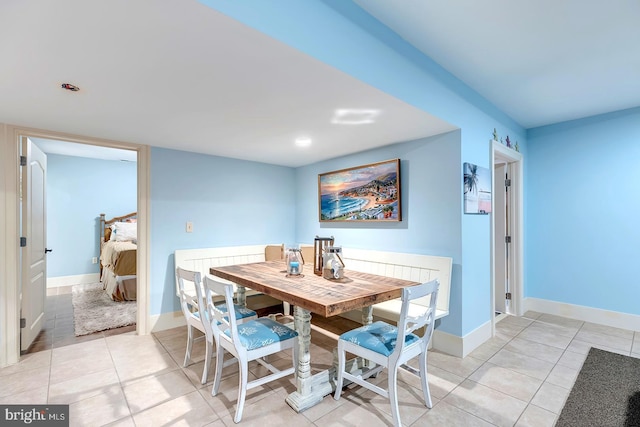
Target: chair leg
242	389
219	366
207	363
393	395
425	380
187	355
341	364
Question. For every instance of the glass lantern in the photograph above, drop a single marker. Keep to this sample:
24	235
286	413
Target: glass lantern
294	261
332	265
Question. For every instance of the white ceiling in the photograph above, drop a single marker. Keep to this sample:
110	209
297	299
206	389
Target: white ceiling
539	61
177	74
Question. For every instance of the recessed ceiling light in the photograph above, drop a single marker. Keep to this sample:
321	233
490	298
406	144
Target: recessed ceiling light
303	141
354	116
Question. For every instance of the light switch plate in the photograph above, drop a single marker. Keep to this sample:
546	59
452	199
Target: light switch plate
189	227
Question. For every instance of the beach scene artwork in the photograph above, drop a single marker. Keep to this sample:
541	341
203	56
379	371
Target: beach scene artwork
477	189
364	193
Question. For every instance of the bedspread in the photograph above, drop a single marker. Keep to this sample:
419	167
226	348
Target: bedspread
119	257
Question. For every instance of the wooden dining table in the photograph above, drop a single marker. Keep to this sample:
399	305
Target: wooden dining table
308	294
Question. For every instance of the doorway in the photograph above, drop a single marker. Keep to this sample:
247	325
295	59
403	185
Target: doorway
506	233
10	351
82	181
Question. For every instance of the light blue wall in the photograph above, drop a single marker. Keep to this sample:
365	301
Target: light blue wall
230	202
78	190
582	222
431	206
341	34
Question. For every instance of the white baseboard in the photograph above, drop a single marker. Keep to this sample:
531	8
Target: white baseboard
447	343
80	279
161	322
614	319
476	338
461	346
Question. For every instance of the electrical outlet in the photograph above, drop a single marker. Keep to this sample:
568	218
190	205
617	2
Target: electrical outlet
189	227
94	260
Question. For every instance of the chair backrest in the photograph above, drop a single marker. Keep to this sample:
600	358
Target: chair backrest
187	279
192	308
409	321
273	252
221	320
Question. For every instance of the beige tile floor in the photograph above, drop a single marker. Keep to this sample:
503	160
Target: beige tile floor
520	377
58	328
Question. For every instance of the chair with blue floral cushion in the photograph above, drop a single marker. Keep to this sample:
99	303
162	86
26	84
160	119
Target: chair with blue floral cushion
188	282
379	343
251	340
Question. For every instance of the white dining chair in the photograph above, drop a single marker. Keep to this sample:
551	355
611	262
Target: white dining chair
251	340
190	304
391	346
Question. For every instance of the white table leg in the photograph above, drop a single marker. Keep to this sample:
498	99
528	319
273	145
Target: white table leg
241	296
367	315
310	388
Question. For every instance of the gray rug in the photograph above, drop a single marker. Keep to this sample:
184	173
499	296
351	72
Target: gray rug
94	311
606	392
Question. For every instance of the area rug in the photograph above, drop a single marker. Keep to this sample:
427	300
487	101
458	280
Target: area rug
94	311
606	392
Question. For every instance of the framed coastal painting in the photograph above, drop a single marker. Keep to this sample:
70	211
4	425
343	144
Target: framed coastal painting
477	189
362	193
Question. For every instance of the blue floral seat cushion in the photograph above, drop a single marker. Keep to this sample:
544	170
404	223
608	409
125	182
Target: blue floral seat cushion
262	332
241	311
379	337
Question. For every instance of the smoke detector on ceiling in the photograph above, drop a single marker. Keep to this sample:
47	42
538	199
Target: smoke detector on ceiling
69	86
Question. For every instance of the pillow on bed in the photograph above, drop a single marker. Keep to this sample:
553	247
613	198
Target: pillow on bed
107	234
124	231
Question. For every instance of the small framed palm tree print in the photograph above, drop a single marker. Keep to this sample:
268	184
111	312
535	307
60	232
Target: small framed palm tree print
477	189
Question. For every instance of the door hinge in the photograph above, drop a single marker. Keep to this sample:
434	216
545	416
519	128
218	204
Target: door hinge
23	242
507	239
507	295
507	183
23	160
23	323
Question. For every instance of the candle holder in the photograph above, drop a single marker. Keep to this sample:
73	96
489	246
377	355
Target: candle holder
333	266
294	261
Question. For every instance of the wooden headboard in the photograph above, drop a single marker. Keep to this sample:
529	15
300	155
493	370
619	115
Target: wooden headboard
105	224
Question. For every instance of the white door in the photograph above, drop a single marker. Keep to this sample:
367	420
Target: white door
501	217
34	263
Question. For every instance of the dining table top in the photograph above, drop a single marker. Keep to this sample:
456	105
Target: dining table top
327	297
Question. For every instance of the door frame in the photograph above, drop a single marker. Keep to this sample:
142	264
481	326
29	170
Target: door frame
10	220
501	153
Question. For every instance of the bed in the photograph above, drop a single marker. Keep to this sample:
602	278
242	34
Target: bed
118	251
